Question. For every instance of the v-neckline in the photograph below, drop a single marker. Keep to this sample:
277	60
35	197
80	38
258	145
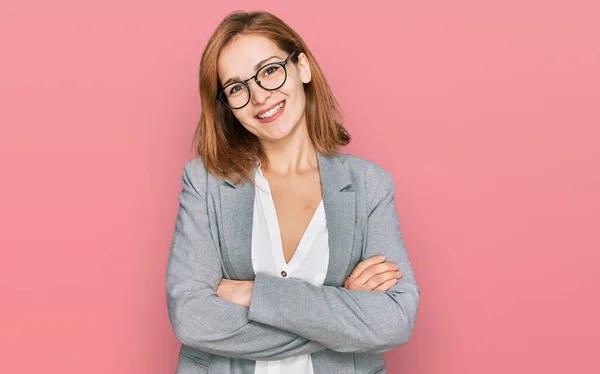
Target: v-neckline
308	236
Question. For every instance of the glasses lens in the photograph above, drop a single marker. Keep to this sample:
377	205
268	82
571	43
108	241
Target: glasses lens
236	95
271	76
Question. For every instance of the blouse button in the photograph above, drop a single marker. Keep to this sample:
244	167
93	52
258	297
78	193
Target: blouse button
283	274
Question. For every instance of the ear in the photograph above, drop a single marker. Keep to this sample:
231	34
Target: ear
304	68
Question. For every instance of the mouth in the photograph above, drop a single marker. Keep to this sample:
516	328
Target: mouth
272	113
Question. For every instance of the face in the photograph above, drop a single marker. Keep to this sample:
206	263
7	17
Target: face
270	115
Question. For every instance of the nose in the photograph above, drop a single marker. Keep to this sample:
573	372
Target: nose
258	95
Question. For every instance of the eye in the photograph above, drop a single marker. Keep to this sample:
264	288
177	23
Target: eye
235	89
271	69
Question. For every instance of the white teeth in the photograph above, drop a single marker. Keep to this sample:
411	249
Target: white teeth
271	112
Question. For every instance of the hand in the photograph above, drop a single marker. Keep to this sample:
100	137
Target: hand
234	291
373	274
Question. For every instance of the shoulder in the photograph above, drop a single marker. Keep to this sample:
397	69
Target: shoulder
373	181
195	167
364	173
195	175
363	170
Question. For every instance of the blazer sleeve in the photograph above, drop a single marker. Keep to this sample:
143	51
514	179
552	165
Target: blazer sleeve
348	320
200	319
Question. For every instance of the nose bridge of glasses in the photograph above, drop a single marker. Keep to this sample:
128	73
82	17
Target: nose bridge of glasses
253	79
257	82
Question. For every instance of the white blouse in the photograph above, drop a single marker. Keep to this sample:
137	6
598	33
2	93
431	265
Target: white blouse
309	262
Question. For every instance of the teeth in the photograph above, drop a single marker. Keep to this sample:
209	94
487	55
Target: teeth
271	112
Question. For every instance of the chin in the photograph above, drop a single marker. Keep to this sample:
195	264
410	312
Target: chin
274	137
277	130
282	131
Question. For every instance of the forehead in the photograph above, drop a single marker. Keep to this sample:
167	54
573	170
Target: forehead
240	55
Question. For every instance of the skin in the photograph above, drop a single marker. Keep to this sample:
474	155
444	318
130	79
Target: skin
293	170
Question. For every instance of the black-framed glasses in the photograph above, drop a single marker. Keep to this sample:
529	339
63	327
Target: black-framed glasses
270	77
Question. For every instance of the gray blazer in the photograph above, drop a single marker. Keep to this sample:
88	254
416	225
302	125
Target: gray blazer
345	331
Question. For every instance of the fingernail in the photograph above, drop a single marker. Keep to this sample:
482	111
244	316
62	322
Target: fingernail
381	257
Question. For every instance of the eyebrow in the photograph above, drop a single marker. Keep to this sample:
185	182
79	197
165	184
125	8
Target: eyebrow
256	67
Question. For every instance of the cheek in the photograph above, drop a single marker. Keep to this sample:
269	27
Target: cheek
295	86
299	96
244	115
247	121
294	94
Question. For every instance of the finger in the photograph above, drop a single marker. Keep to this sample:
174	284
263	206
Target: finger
385	286
365	264
348	282
350	285
379	279
355	284
373	270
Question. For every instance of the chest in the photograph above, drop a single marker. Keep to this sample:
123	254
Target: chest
299	251
231	212
295	202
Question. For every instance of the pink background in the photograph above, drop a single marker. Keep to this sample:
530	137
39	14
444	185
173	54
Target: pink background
488	116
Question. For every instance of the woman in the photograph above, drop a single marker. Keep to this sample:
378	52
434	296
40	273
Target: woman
278	259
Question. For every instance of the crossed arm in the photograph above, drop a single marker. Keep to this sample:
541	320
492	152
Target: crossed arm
276	325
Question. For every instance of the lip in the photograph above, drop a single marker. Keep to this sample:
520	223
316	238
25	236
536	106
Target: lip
269	108
275	116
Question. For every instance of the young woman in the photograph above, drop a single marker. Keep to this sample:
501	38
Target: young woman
287	256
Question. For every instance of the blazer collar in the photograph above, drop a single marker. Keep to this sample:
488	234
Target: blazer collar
237	208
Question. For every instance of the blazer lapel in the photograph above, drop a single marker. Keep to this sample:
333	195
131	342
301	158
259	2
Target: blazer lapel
237	209
340	214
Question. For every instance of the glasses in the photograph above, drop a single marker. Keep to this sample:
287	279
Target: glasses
270	77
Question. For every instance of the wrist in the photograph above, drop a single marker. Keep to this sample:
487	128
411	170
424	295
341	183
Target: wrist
249	286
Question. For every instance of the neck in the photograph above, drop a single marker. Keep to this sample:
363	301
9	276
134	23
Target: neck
294	154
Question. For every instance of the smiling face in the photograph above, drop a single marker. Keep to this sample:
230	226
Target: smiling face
270	115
